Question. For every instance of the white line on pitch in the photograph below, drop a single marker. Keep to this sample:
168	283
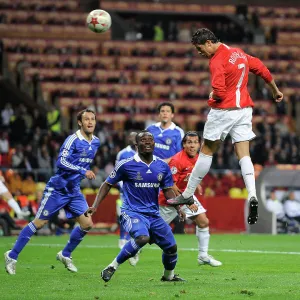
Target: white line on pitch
181	249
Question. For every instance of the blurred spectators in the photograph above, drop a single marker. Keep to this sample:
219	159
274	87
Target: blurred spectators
292	207
6	115
4	143
275	206
53	118
28	185
159	34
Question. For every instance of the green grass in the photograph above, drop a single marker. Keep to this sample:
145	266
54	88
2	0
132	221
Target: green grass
243	275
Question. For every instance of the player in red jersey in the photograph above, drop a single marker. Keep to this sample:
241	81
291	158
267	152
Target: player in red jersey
181	165
231	112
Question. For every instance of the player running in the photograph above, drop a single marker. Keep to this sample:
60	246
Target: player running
63	191
167	135
231	112
142	176
181	165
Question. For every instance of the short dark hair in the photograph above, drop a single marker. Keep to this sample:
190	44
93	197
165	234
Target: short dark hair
140	134
202	35
190	133
166	104
79	115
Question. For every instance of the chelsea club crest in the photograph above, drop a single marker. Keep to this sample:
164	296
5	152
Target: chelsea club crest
160	176
168	141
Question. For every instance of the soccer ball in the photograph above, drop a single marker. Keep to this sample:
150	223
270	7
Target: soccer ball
98	21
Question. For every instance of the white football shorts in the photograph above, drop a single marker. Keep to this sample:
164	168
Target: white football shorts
169	213
236	122
3	188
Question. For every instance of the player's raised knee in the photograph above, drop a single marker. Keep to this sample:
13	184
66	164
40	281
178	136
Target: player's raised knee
171	250
203	223
87	226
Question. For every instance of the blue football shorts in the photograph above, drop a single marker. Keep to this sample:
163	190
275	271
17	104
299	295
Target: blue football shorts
54	200
154	226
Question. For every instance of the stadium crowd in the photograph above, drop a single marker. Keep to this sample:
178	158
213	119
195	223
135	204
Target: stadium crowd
27	142
30	140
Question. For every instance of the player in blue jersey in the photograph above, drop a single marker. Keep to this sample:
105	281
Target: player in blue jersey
125	153
128	151
167	135
63	191
142	175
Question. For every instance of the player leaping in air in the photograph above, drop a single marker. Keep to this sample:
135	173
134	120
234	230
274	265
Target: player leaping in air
142	175
181	165
231	112
63	191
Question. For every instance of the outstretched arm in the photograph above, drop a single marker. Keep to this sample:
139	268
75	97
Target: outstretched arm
102	193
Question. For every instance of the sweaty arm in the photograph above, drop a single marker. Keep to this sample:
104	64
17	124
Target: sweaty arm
102	193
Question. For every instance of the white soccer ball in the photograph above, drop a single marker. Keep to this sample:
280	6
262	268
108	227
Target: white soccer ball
98	21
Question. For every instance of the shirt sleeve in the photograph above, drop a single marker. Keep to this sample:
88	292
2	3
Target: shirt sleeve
174	166
149	128
167	180
179	139
217	71
117	174
257	67
118	158
65	153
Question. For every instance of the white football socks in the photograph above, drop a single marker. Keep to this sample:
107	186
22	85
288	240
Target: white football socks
168	274
201	168
15	206
203	240
248	175
115	264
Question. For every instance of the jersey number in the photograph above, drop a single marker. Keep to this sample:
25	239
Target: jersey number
238	92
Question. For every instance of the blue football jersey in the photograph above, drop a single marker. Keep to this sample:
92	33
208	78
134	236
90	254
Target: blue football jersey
74	159
167	141
125	153
141	183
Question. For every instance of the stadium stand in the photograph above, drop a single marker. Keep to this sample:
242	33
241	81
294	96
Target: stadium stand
124	82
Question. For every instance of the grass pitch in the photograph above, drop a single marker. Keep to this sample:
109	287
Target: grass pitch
254	267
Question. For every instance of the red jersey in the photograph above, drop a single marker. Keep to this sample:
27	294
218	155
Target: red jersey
229	68
181	166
